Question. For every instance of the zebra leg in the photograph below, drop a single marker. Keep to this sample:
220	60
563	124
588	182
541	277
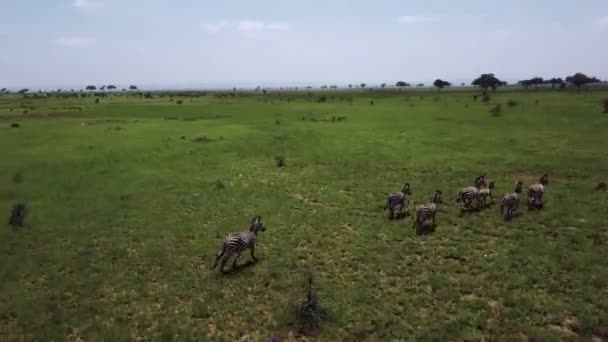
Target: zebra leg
236	259
219	255
223	263
253	253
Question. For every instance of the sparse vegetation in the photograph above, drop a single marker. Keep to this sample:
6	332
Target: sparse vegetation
512	103
120	238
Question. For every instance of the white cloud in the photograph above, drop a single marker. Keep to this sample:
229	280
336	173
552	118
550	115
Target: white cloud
74	41
243	26
416	19
88	4
217	26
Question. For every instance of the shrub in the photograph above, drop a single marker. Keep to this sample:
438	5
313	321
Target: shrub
179	102
322	98
605	103
277	122
14	125
219	184
279	160
512	103
486	98
17	215
97	100
310	314
496	110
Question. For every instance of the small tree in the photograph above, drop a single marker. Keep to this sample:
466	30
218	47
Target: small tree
439	84
3	90
383	85
91	88
554	81
363	85
350	85
333	87
324	87
486	81
23	91
111	87
579	79
132	87
420	85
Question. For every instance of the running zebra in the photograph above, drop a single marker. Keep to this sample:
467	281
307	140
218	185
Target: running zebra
239	242
536	192
425	212
510	202
470	194
396	202
485	195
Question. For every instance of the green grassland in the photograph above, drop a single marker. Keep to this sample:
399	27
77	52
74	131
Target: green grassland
126	213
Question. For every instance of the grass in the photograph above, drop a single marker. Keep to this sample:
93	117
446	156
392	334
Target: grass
129	199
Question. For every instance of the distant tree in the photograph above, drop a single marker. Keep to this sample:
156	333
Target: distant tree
132	87
308	87
486	81
580	79
462	84
91	88
23	91
333	87
536	81
102	88
420	85
363	85
324	87
59	90
439	84
350	85
383	85
111	87
3	90
554	81
401	84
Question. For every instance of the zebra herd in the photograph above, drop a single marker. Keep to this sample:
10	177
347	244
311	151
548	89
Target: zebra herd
475	197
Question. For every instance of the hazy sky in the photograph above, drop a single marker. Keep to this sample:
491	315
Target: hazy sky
282	42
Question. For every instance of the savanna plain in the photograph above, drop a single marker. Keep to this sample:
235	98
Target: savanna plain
129	199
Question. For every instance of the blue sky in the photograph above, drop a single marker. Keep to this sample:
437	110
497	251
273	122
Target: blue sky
182	43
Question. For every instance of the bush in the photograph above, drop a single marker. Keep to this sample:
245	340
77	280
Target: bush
219	184
14	125
605	103
496	110
279	160
310	314
179	102
277	122
17	215
512	103
322	98
486	98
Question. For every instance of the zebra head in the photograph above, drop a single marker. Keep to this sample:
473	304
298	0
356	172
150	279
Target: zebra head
544	180
491	185
256	225
518	187
437	197
480	181
406	189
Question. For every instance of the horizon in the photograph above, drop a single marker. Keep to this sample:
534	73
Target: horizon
199	44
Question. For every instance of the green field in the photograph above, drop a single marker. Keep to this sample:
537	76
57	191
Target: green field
129	200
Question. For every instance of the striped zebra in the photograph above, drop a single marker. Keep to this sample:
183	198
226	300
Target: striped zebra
485	194
536	192
425	212
396	202
510	202
470	194
237	243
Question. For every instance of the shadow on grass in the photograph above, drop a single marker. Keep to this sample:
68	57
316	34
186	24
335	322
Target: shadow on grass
239	268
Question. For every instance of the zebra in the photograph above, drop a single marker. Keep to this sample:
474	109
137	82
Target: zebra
396	201
425	212
485	194
536	192
470	194
237	243
510	202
